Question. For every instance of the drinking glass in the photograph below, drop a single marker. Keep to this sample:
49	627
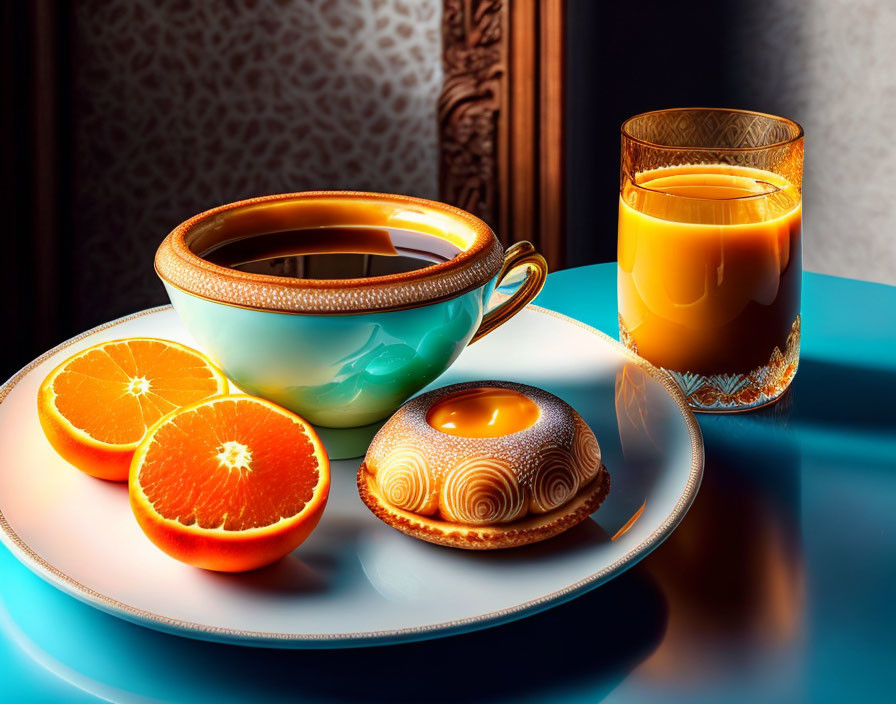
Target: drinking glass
710	216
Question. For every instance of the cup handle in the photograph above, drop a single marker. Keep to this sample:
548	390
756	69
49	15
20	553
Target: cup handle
521	254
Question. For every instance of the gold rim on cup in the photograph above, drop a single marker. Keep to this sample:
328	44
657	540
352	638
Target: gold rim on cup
480	259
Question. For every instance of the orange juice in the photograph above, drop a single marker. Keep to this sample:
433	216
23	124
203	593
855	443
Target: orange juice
709	268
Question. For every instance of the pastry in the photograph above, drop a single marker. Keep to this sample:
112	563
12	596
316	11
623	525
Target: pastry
484	465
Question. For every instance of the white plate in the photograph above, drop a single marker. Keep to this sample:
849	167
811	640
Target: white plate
356	581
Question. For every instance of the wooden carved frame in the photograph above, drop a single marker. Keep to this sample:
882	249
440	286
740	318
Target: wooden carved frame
501	118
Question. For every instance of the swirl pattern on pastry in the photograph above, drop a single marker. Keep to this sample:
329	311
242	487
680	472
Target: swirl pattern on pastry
586	452
479	481
406	482
555	481
482	491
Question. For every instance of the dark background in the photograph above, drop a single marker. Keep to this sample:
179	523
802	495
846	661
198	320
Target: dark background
628	58
78	253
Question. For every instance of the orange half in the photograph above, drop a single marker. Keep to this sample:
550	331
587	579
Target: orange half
231	483
97	405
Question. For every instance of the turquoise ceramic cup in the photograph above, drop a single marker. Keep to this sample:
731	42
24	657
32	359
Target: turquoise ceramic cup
343	353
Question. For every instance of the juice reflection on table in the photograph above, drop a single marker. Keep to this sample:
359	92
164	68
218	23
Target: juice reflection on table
709	275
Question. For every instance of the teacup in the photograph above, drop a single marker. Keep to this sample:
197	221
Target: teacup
342	353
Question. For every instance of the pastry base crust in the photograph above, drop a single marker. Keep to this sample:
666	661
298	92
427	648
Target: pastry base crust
531	529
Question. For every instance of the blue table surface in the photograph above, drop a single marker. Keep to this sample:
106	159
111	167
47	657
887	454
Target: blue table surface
779	586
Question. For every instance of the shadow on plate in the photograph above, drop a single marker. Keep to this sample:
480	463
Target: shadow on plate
327	560
289	575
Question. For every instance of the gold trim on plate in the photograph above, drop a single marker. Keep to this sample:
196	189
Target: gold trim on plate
49	573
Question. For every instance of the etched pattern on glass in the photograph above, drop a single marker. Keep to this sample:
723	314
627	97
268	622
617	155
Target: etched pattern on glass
712	136
736	392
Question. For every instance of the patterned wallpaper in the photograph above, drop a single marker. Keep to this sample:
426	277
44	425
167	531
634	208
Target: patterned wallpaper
831	65
181	105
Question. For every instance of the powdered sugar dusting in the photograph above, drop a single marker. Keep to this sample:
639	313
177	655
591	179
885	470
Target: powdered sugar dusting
558	433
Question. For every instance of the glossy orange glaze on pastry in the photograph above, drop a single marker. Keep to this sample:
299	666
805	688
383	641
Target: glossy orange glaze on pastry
483	412
484	465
